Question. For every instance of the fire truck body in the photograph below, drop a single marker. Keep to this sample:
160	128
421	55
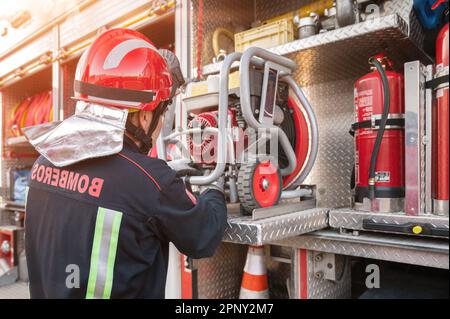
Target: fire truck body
311	238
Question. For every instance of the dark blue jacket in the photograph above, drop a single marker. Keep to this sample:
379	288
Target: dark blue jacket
108	222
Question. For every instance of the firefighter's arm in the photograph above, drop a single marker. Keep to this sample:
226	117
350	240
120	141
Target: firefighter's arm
195	225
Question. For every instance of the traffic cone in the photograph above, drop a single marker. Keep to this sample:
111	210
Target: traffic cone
255	284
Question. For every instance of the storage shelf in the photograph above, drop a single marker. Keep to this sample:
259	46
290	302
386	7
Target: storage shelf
13	206
346	218
343	53
17	141
428	252
245	230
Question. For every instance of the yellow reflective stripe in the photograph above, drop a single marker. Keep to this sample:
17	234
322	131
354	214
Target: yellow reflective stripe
95	254
112	255
103	256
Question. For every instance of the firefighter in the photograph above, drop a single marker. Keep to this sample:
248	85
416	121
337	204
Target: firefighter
100	214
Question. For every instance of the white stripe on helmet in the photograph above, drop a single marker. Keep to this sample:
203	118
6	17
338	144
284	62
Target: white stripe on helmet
114	102
81	66
121	50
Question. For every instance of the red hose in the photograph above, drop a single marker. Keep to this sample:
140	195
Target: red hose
438	3
199	39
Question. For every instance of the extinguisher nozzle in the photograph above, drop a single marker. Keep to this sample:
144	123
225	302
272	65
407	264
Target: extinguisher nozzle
372	192
371	188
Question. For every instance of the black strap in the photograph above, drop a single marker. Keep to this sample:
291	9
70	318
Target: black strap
368	124
113	93
406	228
139	134
157	113
433	84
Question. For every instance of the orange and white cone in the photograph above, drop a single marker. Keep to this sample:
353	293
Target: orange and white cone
255	284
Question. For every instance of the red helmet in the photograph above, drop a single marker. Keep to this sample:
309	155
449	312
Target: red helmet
122	68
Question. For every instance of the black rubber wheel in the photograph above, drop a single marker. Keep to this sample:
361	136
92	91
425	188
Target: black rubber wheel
253	196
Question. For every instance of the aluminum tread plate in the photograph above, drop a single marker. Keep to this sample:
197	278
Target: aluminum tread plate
266	10
244	230
428	252
219	277
327	289
353	31
351	219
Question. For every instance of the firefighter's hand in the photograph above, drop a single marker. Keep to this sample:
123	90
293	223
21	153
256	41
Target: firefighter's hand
218	185
183	167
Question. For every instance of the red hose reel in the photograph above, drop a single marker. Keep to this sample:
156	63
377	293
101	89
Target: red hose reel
33	110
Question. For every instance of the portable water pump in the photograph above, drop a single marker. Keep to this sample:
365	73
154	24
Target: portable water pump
252	125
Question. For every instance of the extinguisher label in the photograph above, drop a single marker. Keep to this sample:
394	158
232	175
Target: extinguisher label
383	177
364	105
440	92
365	98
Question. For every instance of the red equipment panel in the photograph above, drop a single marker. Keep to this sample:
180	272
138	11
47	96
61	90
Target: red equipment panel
8	242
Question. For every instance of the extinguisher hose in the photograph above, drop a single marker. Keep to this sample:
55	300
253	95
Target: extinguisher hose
382	128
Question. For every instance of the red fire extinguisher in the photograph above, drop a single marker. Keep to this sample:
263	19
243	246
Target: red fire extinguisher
379	138
441	127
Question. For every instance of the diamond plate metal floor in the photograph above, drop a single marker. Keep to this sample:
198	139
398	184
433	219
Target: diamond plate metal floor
19	290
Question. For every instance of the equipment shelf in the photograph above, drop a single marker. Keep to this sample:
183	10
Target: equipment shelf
346	218
17	141
245	230
343	53
13	206
16	151
428	252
